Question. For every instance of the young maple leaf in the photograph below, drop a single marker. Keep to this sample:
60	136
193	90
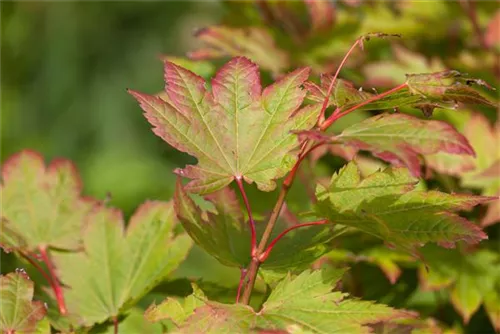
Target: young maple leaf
42	206
386	205
237	130
19	313
118	266
305	302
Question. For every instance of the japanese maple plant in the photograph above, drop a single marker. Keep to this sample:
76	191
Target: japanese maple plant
243	136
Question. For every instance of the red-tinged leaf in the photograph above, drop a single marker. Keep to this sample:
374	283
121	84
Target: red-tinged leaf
119	266
19	313
235	131
305	303
225	235
386	205
42	206
493	213
322	14
252	42
400	139
423	91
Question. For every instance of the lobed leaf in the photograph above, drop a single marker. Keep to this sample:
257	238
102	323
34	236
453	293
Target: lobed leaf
224	233
237	130
252	42
19	313
400	139
42	206
386	205
118	267
424	91
304	303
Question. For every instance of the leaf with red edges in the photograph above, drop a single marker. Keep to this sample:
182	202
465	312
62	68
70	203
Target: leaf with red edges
19	313
236	130
41	206
386	205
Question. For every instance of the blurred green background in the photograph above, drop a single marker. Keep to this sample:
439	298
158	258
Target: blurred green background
65	68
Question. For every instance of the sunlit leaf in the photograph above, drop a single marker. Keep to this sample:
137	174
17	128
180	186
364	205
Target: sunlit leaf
19	313
400	139
41	206
305	303
235	131
118	267
386	205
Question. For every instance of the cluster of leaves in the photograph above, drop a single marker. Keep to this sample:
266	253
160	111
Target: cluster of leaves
100	269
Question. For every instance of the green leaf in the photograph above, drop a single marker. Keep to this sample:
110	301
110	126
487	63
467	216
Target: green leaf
19	313
471	278
252	42
224	233
41	206
423	91
386	205
173	310
304	303
235	131
400	139
118	267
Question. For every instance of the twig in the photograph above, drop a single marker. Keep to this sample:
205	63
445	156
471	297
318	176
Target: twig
54	281
37	266
321	118
251	222
337	114
266	253
243	275
115	324
470	9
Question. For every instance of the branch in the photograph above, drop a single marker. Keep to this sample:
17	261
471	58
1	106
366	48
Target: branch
253	249
266	253
243	275
470	9
54	282
337	114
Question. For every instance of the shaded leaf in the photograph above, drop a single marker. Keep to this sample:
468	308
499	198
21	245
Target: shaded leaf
236	131
386	205
400	139
224	233
304	303
118	267
472	278
252	42
19	313
41	206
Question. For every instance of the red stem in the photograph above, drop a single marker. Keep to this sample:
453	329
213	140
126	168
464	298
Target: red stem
115	324
330	88
251	222
240	285
37	266
54	282
266	253
337	114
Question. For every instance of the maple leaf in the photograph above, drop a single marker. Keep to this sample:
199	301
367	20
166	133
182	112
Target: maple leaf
117	268
237	130
386	205
305	303
400	139
19	313
224	233
424	91
252	42
472	279
41	206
